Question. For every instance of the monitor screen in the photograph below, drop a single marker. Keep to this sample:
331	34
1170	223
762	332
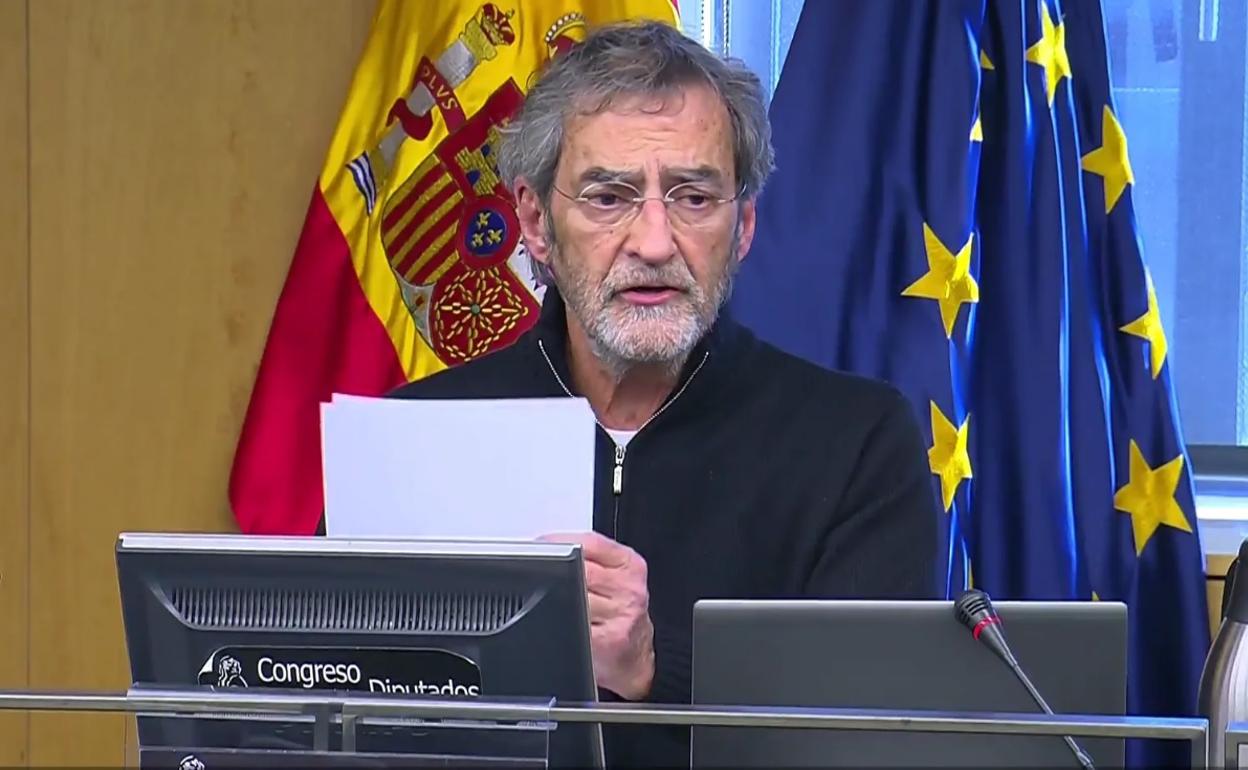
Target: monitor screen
456	619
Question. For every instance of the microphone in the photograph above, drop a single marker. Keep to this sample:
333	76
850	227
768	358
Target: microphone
973	609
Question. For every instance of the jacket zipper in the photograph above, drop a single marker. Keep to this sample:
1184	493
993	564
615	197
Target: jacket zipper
617	488
617	480
617	475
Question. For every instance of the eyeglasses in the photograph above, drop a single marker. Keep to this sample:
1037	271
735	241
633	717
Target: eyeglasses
613	203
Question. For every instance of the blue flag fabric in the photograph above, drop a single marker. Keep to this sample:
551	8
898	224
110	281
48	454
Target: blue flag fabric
952	212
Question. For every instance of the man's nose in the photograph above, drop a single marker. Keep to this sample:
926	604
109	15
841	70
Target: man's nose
650	233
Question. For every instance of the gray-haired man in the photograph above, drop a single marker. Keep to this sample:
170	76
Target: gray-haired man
725	468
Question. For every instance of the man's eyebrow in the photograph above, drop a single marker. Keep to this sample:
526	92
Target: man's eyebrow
681	175
600	174
671	176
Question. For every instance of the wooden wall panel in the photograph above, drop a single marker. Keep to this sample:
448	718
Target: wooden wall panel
176	146
14	374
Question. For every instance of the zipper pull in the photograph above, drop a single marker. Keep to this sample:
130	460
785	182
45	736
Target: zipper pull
617	480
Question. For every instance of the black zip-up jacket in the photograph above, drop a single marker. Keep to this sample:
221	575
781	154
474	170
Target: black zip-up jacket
761	476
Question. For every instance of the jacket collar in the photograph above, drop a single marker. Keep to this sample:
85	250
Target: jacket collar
711	355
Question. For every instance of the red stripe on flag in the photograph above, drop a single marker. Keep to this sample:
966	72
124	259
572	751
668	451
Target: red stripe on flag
395	242
325	338
422	276
443	228
419	189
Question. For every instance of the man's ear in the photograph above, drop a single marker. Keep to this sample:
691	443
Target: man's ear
745	228
532	221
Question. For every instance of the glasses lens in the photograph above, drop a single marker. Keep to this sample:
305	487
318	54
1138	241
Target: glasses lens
693	204
608	202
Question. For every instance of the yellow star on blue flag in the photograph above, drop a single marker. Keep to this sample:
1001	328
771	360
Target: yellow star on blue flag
948	456
948	279
1110	161
1050	53
1148	327
1149	497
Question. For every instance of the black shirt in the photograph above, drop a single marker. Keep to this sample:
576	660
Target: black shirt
761	476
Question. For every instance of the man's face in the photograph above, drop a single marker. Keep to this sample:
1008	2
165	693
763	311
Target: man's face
642	282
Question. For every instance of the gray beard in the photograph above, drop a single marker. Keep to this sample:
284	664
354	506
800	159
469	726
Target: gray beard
607	332
618	366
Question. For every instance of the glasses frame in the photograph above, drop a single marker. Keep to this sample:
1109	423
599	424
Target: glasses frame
635	202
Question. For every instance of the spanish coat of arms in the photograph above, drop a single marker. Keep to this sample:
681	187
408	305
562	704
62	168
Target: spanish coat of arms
449	230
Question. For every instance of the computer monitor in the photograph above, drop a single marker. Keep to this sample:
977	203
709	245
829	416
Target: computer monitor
903	655
465	619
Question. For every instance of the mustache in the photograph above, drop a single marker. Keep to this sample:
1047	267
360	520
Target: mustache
673	274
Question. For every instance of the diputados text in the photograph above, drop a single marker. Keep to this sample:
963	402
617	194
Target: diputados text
422	688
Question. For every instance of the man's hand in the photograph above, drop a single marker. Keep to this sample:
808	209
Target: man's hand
621	634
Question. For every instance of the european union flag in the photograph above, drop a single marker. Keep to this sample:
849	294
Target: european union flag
952	212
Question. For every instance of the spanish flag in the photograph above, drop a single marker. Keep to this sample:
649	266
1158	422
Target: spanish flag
410	259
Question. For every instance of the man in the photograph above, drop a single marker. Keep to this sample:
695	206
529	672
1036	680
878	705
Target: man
725	468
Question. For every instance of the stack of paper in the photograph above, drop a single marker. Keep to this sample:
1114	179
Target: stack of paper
490	469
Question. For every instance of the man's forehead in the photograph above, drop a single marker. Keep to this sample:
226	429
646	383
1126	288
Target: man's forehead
635	162
688	129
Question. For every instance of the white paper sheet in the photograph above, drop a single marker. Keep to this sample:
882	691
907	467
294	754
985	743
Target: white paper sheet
491	469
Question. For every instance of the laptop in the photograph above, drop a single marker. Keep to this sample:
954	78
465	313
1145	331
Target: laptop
902	655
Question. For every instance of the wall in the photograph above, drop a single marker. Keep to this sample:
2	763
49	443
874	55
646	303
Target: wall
173	145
